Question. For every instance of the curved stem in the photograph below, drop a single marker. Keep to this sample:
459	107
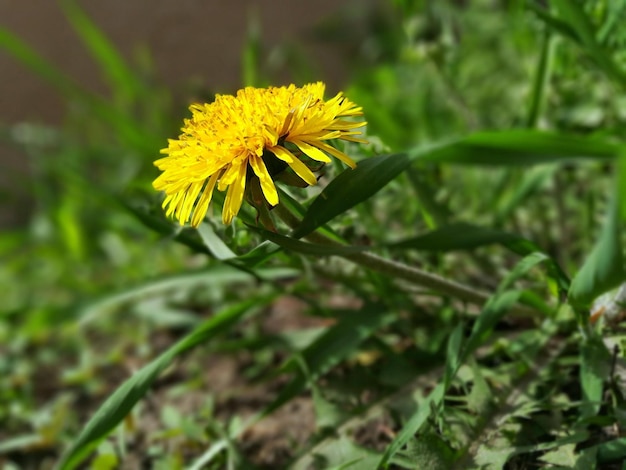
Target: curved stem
419	277
403	271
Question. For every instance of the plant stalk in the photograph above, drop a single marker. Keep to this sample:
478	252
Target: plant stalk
542	77
403	271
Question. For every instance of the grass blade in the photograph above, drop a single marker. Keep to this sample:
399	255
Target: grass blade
37	64
350	188
604	268
119	404
458	351
573	14
122	81
517	148
333	346
595	365
125	127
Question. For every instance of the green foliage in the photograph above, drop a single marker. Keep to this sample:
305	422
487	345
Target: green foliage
604	269
118	405
494	174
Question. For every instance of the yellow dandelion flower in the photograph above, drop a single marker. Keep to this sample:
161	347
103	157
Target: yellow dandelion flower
255	134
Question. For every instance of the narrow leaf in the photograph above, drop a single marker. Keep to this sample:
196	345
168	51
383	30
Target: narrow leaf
413	425
120	78
119	404
350	188
214	244
458	236
517	147
333	346
306	248
574	15
463	236
595	365
37	64
604	267
496	307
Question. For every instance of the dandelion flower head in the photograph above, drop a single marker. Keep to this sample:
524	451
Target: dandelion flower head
234	139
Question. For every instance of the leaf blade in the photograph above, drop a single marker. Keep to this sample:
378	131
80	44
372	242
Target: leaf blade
350	188
120	402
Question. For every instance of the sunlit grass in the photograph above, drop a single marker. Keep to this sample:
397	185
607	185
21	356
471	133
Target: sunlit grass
429	309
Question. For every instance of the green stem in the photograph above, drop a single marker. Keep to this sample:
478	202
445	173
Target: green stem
402	271
542	77
417	276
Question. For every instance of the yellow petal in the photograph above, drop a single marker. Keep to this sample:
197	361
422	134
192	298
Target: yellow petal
203	203
190	198
219	140
354	139
294	162
337	154
228	176
340	124
267	185
313	152
234	196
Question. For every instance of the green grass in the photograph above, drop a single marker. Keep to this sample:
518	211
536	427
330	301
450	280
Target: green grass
491	194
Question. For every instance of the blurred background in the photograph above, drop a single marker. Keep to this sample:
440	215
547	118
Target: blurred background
186	47
95	282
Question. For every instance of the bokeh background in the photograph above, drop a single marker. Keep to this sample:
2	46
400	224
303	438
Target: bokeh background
184	46
514	113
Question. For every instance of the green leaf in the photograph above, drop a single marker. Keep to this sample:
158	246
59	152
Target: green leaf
157	222
573	14
210	244
425	184
521	269
333	346
586	460
621	186
120	402
342	454
294	207
500	148
531	182
259	254
36	63
554	23
595	366
603	269
460	236
500	303
496	308
350	188
327	414
561	456
458	353
453	353
413	424
126	128
214	276
541	79
434	400
612	451
214	244
428	451
122	81
306	248
480	398
517	147
463	236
